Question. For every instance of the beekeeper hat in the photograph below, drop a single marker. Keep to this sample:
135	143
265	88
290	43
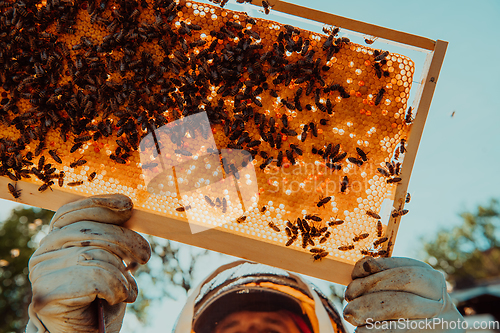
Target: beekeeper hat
248	286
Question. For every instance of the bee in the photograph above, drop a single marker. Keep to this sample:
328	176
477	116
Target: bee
373	214
289	156
266	7
360	237
323	201
263	209
34	171
209	201
380	241
253	143
408	117
344	184
400	212
333	166
398	168
367	252
384	172
91	176
346	247
393	180
378	70
361	154
75	147
370	41
291	240
314	218
183	208
14	191
314	129
224	205
335	222
60	179
296	149
273	226
379	228
379	96
390	166
381	56
82	138
45	186
41	162
339	157
241	219
54	155
408	197
183	152
320	255
383	253
325	237
266	163
280	159
402	146
77	163
389	246
354	160
77	183
303	225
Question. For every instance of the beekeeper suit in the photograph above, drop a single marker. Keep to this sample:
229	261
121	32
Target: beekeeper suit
87	255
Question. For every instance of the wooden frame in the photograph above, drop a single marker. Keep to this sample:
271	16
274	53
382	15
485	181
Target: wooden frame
218	239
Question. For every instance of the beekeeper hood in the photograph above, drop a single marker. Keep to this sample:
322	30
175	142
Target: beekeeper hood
247	286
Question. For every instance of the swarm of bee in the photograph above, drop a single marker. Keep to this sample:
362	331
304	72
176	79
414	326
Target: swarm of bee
271	89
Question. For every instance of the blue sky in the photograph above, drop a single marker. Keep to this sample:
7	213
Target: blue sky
457	163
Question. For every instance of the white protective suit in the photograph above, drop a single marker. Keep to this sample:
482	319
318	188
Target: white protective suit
88	255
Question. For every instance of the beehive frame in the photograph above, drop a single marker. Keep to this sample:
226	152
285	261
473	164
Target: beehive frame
221	241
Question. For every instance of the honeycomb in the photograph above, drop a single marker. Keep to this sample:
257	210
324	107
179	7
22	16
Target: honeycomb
208	116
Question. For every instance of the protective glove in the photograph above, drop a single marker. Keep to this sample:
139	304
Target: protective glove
406	293
85	255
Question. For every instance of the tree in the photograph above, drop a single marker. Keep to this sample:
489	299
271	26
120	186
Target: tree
470	251
166	273
17	244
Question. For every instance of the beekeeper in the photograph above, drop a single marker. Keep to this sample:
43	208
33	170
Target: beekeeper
87	255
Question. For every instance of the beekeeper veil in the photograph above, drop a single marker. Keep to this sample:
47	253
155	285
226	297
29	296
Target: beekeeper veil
247	286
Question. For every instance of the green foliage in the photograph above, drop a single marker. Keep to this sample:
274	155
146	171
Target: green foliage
16	247
470	251
164	275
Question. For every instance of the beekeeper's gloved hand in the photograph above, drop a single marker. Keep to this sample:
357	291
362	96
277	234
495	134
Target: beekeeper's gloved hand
387	289
86	255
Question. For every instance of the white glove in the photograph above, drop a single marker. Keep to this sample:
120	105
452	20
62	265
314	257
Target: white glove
405	293
85	255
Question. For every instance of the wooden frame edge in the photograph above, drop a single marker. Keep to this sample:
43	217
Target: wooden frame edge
431	70
216	239
219	240
350	24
